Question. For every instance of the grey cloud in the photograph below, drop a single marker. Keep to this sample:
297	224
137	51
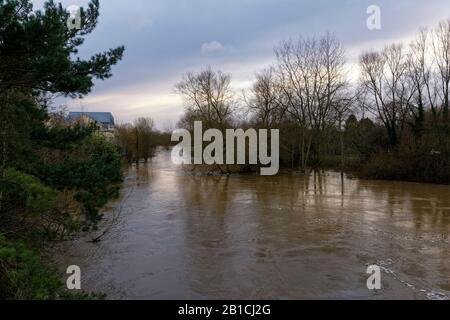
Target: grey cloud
165	38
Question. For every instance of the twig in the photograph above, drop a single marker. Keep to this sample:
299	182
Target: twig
114	219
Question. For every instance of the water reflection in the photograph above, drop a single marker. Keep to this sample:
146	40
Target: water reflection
290	236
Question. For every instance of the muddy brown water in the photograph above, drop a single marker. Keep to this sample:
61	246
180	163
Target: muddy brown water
175	235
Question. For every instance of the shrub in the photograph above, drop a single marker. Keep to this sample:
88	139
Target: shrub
90	168
388	166
39	198
419	159
28	208
23	275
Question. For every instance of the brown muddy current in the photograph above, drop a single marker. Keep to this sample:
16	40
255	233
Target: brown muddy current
175	235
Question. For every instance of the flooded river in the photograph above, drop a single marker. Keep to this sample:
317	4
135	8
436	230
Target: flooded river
174	235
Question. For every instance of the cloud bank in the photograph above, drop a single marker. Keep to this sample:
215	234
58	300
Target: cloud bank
166	38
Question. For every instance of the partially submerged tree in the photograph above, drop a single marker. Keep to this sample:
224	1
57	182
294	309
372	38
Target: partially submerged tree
442	55
138	140
384	76
208	97
145	129
419	80
264	102
312	76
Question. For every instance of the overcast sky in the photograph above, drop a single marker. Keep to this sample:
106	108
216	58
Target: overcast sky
166	38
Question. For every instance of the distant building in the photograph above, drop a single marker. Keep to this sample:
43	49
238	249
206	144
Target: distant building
104	120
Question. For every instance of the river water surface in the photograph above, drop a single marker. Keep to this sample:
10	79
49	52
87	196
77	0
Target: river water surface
175	235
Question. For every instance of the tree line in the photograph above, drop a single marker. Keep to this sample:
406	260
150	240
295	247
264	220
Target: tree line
139	140
392	122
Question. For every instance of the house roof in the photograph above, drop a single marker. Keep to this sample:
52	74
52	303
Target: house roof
100	117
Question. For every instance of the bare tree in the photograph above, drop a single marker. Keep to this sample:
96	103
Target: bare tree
145	128
383	76
137	140
421	82
208	97
442	55
312	75
264	103
343	109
